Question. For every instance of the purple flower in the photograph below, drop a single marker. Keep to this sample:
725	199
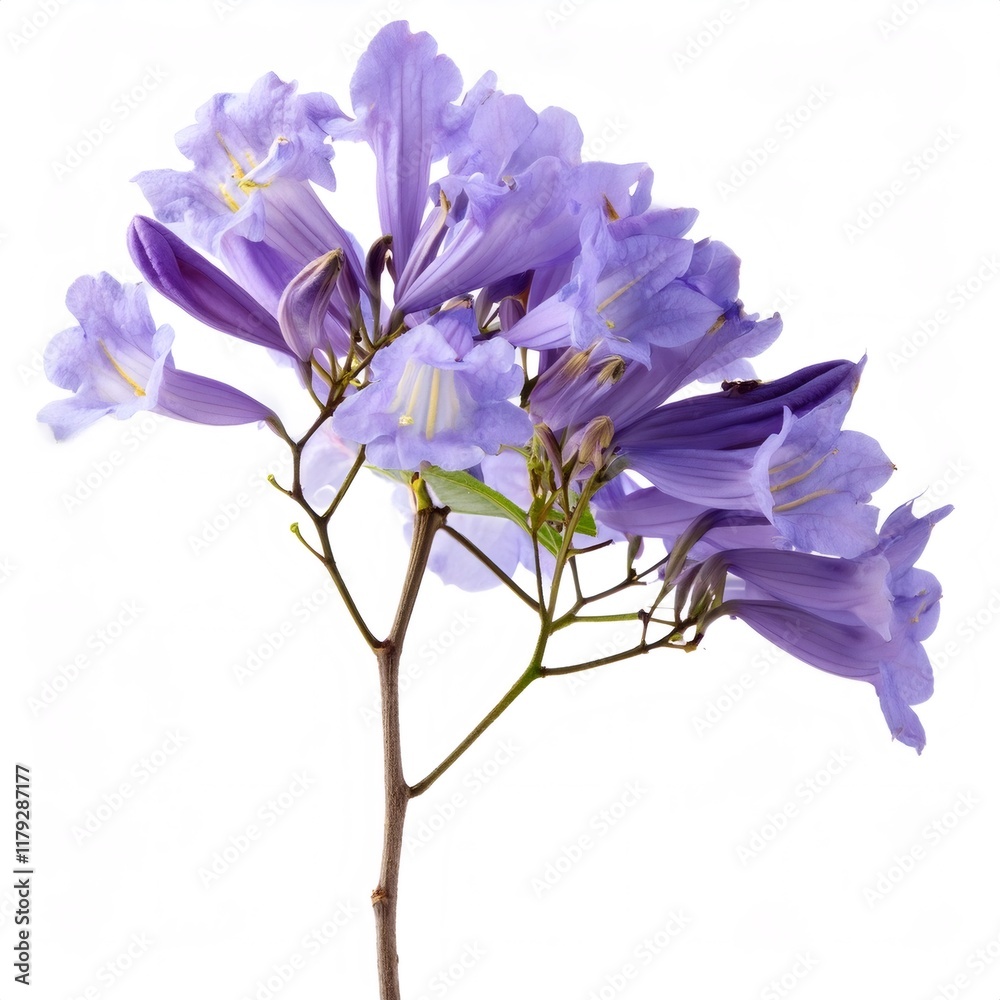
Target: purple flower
578	386
528	221
438	397
833	614
186	278
253	155
326	459
634	286
775	448
255	158
117	362
403	94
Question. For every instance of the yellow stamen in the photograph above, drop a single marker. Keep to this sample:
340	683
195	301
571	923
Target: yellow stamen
802	475
577	364
792	504
406	417
621	291
228	198
238	171
715	326
138	389
432	404
612	371
609	210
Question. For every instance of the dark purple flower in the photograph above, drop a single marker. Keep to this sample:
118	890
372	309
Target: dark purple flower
183	276
774	448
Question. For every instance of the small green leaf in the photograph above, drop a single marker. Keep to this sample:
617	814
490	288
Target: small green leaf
465	494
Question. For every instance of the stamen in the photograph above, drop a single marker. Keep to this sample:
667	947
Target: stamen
621	291
136	388
792	504
612	371
802	475
432	404
238	171
228	198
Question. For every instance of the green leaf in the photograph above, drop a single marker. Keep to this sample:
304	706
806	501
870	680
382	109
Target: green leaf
465	494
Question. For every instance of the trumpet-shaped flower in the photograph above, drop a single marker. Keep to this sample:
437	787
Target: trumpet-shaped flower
117	362
438	397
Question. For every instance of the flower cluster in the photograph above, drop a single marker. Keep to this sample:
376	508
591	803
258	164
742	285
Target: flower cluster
520	331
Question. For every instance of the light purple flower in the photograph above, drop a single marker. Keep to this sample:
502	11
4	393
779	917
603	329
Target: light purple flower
117	362
438	397
634	285
813	614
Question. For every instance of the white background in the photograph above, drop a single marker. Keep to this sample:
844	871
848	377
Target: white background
161	710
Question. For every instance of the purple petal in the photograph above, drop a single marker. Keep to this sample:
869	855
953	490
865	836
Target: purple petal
195	284
402	92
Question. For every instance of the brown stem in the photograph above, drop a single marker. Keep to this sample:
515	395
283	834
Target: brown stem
397	792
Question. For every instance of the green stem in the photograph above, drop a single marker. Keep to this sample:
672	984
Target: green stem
490	564
567	620
533	672
643	647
